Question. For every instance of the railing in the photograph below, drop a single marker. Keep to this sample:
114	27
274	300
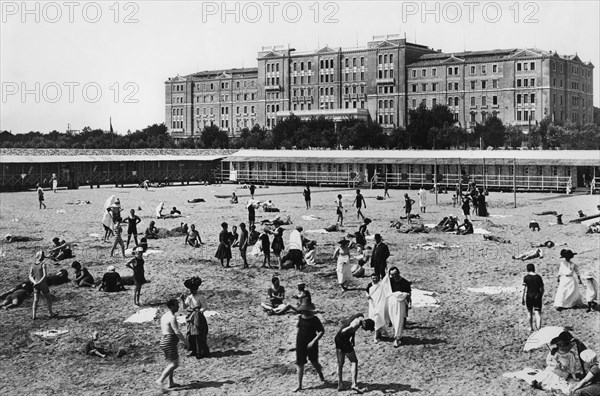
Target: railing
404	180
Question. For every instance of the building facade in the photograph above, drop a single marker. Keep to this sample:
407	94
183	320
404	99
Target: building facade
382	82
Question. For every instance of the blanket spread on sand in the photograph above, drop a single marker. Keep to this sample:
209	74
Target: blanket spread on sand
143	315
423	299
529	374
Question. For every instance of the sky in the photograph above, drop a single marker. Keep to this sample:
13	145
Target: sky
78	64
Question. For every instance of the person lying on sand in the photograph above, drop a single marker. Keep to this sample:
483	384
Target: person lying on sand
594	228
79	202
334	228
413	229
269	206
16	298
196	200
278	221
182	229
530	254
412	216
548	212
493	238
17	238
548	244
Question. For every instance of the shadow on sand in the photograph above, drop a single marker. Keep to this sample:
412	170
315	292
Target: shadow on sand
230	352
203	385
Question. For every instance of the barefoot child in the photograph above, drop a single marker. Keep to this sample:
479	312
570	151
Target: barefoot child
91	349
118	240
137	265
591	293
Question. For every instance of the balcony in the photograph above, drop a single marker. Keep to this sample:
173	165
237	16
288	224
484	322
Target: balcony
386	80
272	87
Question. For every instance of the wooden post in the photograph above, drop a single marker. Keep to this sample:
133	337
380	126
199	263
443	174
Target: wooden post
515	181
459	171
435	186
484	176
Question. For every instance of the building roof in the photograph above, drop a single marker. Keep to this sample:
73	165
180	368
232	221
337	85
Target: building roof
31	156
442	157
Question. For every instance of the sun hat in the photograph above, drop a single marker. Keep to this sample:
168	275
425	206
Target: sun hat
567	254
343	242
110	268
40	256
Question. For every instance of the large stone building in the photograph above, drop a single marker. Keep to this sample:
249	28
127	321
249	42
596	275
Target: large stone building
382	81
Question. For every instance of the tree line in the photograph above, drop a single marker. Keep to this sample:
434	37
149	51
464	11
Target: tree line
433	128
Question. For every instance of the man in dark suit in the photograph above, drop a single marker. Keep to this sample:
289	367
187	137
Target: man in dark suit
381	252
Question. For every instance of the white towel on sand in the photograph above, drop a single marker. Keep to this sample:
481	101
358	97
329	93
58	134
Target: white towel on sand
492	289
423	299
319	231
143	315
480	231
50	333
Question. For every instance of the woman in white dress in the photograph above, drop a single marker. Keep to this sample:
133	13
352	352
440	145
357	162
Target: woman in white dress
422	199
344	270
398	300
567	294
54	182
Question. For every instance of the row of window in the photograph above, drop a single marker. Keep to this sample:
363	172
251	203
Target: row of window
525	82
347	62
302	79
526	98
354	89
272	67
354	104
384	59
525	66
387	119
386	104
272	108
355	76
225	85
272	81
308	106
525	115
308	66
301	91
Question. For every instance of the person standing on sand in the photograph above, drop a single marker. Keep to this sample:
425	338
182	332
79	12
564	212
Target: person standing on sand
54	182
118	230
137	265
386	193
379	257
339	210
171	335
344	346
359	201
408	203
252	188
224	249
306	194
422	200
40	193
244	244
132	220
251	213
38	275
533	291
310	331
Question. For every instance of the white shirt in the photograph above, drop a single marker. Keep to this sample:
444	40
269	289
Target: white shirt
295	240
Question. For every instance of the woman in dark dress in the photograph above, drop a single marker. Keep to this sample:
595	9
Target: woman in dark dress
195	304
466	207
277	245
481	205
137	265
251	214
83	278
360	235
224	249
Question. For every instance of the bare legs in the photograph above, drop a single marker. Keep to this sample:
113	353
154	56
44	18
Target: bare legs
168	373
341	357
136	294
318	369
535	320
36	297
118	242
134	239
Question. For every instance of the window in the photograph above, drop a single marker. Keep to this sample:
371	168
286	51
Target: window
434	87
385	58
423	87
456	86
347	62
450	101
456	71
473	117
449	71
532	66
433	102
434	72
494	83
532	98
525	115
309	66
483	69
414	87
483	84
472	69
391	58
472	100
414	103
518	67
380	59
519	115
456	101
494	68
354	62
519	98
449	86
532	82
494	100
525	82
414	73
519	83
362	60
423	72
483	101
472	85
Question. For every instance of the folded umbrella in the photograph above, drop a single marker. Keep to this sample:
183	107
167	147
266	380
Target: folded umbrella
542	337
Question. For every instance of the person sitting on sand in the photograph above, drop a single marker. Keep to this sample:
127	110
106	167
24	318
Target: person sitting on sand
360	235
493	238
193	237
344	347
303	296
16	238
590	384
175	212
111	281
83	278
158	210
581	214
530	254
451	224
358	270
468	228
151	232
60	251
276	295
234	199
269	207
414	229
311	253
90	348
16	298
182	229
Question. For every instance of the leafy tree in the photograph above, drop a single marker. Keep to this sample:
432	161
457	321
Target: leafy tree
491	133
513	136
425	124
213	137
